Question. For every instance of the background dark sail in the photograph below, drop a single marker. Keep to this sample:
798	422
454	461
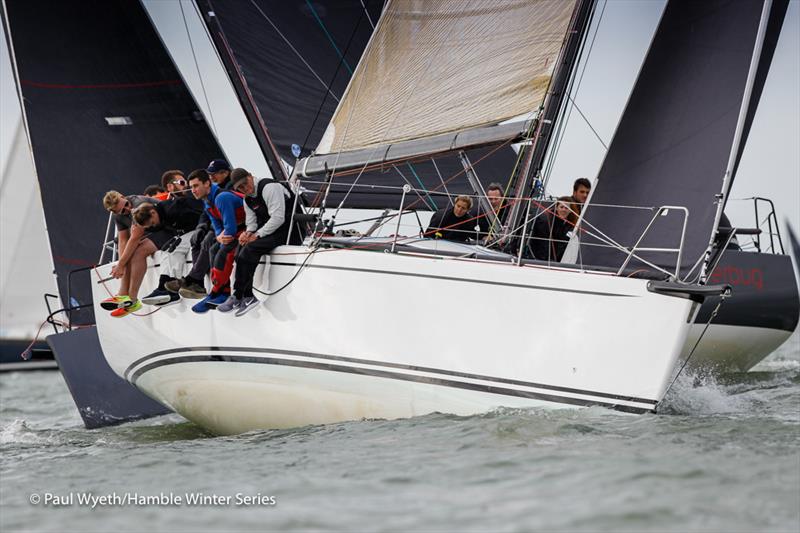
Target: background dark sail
675	137
79	62
297	58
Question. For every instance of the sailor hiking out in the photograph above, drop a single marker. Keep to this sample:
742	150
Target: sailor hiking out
268	208
225	210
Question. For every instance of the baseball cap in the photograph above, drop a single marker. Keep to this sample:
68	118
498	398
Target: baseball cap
217	165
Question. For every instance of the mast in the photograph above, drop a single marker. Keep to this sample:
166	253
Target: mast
534	154
727	181
243	93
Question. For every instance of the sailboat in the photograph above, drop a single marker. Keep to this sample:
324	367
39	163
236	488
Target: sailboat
392	327
765	306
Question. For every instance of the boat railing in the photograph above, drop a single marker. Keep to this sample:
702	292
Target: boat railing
765	236
500	238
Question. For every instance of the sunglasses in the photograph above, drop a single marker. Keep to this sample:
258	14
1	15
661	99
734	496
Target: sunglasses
179	181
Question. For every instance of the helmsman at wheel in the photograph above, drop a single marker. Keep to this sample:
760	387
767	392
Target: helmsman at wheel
268	208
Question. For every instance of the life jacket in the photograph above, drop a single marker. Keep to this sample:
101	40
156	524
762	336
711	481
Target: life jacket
259	207
212	210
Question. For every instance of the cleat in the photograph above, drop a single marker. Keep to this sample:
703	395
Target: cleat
192	291
158	297
132	307
229	305
248	303
115	302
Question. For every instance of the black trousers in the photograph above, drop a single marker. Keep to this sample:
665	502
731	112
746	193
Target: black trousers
201	257
247	261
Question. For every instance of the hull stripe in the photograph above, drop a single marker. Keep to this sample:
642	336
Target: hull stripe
132	375
388	375
462	280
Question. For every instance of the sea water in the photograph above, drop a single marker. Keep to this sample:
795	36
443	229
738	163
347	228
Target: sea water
724	455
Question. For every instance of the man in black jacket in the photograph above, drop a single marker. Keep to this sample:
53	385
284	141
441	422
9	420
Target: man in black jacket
453	223
179	217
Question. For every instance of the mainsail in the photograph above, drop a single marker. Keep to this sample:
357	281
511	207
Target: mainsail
441	75
674	141
297	58
105	109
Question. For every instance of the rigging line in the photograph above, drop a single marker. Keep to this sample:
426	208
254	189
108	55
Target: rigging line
367	12
433	202
696	344
587	122
293	48
412	187
435	166
197	67
328	35
336	73
563	123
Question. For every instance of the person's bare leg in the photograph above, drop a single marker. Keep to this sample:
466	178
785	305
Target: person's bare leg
138	266
125	282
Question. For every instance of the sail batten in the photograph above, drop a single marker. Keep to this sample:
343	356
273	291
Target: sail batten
441	66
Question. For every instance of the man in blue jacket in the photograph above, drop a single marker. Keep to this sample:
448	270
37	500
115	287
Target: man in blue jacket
225	210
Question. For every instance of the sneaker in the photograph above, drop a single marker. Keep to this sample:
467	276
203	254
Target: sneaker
158	297
209	302
192	291
173	298
174	285
247	303
109	304
128	309
229	305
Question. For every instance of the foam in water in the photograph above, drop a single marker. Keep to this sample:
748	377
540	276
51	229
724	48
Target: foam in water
700	394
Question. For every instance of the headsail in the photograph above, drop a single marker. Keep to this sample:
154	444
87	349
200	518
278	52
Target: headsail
675	138
435	68
105	109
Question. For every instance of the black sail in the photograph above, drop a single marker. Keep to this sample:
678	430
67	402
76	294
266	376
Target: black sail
297	57
81	63
675	137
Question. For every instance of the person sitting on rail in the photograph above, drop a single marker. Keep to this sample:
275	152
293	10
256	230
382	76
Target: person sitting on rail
178	216
135	245
551	229
268	206
156	191
225	210
191	286
453	223
174	182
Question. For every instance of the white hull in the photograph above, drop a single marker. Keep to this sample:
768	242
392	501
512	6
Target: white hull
374	335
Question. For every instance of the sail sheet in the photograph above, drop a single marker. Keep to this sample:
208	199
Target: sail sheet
438	66
82	65
297	57
675	137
